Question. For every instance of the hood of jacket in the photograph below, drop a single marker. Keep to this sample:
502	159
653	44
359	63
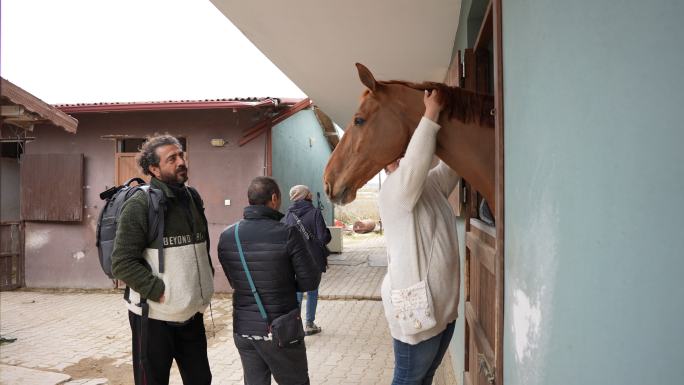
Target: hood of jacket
301	207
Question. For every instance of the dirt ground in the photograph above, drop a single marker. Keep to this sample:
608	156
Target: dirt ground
101	368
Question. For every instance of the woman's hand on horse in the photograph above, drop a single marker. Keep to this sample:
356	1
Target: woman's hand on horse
433	105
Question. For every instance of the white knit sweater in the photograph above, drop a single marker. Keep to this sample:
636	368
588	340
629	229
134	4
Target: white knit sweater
419	227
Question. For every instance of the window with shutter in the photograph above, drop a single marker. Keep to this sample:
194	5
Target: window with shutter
52	187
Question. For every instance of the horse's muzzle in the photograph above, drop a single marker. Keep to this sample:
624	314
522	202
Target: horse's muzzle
340	196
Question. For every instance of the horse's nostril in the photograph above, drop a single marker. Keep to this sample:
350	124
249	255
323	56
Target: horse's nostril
327	188
342	193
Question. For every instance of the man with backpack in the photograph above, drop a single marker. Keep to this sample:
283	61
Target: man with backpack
170	275
267	263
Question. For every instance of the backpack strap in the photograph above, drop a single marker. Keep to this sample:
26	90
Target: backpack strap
98	235
156	201
197	199
302	229
144	322
155	219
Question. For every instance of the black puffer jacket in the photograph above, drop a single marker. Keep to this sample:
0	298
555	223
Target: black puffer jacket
313	221
278	261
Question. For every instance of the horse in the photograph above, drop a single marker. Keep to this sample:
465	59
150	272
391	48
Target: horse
389	113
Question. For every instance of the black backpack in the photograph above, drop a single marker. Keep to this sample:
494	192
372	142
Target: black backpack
115	198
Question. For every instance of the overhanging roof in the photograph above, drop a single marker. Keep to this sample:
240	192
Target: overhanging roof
276	110
22	109
328	126
404	39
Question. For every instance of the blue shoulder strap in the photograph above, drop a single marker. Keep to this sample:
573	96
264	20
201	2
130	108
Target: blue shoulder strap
249	275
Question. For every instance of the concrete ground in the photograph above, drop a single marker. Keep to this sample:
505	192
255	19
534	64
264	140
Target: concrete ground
83	338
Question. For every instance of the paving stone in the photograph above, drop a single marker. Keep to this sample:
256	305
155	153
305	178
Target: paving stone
93	381
54	331
334	350
17	375
357	280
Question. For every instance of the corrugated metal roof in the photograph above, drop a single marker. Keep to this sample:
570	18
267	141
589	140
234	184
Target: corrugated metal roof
248	102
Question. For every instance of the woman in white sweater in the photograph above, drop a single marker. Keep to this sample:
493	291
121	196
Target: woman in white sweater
422	248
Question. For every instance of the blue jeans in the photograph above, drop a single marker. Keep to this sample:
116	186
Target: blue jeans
417	364
311	302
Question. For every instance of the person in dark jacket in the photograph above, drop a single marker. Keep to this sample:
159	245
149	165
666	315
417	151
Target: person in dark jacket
280	266
314	225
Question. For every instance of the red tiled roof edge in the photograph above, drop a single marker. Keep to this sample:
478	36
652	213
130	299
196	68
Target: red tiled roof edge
209	104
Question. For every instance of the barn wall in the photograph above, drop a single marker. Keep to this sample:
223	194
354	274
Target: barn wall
63	255
300	153
594	180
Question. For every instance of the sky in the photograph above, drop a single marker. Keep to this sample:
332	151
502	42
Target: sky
78	51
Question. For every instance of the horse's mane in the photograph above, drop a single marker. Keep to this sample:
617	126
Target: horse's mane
461	104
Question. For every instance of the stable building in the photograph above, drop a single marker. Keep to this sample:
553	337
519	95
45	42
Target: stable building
580	279
227	143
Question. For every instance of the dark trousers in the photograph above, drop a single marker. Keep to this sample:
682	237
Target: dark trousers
260	359
186	343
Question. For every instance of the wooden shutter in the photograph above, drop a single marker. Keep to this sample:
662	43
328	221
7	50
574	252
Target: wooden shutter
52	187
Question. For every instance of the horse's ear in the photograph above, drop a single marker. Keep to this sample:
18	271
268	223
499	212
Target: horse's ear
366	77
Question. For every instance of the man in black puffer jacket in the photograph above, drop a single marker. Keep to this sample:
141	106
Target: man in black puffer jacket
281	266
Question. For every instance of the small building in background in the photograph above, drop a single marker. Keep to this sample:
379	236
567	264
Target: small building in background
227	142
21	113
300	152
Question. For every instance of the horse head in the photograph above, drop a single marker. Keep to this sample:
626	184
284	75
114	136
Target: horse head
388	114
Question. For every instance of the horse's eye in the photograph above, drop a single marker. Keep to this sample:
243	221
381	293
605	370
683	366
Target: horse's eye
359	121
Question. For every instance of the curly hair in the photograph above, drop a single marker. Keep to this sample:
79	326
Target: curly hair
148	152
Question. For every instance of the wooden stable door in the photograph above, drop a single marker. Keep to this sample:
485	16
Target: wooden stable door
481	310
126	168
481	71
11	255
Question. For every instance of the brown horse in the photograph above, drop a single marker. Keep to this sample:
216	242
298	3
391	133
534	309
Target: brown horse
383	125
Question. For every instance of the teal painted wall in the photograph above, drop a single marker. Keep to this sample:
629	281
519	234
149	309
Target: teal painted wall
594	173
300	153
